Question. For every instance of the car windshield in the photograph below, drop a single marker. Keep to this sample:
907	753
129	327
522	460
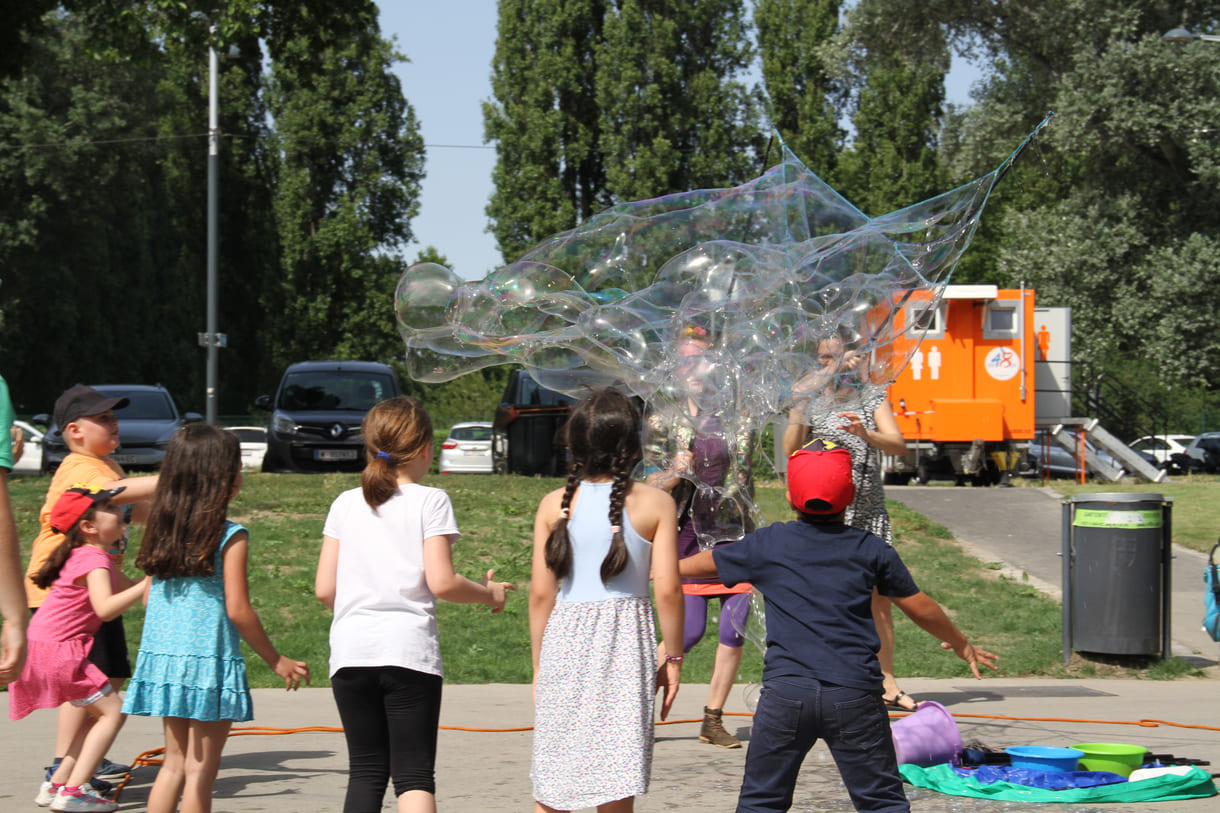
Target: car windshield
250	435
333	389
470	433
144	406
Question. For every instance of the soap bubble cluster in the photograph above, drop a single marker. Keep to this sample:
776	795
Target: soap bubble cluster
763	273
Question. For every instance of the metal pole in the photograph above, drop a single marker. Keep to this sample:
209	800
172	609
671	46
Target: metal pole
213	209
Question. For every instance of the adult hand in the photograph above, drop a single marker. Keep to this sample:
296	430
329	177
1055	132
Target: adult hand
973	656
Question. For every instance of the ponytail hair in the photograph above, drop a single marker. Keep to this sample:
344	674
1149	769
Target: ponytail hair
73	539
603	438
396	431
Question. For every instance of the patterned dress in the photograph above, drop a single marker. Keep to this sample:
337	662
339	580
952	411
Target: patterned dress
593	729
868	511
190	663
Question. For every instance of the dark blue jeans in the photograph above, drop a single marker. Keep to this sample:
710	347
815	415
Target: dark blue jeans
790	719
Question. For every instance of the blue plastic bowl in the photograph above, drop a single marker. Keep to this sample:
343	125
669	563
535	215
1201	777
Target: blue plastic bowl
1044	758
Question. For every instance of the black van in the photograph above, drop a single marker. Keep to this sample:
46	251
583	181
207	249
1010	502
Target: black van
527	420
316	414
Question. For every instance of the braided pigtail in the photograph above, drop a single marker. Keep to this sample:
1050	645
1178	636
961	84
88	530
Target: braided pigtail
617	557
558	545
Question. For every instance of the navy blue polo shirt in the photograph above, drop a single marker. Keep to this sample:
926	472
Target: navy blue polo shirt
817	582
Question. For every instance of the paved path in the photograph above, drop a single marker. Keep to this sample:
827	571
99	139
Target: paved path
1023	528
488	772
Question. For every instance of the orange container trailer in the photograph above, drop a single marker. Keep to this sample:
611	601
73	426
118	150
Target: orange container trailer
965	399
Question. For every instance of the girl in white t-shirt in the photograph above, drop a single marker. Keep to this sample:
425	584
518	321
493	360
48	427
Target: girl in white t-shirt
385	558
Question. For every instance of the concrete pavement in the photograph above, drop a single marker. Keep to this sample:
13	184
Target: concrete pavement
489	771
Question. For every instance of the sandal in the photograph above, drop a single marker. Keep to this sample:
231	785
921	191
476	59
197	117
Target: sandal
895	702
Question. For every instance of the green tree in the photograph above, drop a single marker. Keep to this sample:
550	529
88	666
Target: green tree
674	114
549	173
346	184
802	94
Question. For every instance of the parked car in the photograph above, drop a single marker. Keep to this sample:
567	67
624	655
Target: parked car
31	456
1204	450
467	449
1161	447
526	422
1048	458
253	445
316	414
145	426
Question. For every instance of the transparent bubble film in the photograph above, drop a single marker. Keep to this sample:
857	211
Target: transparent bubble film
709	304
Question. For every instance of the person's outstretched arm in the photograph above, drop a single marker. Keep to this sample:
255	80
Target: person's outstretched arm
925	612
245	617
446	583
12	592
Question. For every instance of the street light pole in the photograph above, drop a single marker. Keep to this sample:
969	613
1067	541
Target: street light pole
211	338
1184	35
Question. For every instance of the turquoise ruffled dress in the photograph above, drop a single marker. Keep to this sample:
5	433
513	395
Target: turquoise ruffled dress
190	662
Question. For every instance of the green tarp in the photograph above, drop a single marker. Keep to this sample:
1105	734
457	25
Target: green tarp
1196	784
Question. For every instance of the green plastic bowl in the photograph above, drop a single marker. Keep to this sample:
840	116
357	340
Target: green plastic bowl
1114	757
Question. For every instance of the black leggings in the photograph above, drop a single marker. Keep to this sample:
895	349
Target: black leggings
390	717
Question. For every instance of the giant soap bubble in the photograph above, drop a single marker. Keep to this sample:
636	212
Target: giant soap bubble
758	276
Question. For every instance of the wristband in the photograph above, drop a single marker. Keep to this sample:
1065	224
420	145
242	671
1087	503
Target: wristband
673	659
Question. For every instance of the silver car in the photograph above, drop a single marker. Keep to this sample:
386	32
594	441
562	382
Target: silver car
467	450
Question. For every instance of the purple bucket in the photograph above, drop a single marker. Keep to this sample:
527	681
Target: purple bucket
927	737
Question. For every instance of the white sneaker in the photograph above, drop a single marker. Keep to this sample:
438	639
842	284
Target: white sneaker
86	800
46	794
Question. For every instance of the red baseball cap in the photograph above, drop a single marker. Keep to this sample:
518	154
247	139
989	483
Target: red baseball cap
73	504
819	478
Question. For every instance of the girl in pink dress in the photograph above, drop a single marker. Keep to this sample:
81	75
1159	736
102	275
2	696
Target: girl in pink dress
80	576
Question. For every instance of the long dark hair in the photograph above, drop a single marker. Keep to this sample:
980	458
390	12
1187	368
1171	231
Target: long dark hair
198	478
603	437
396	431
73	539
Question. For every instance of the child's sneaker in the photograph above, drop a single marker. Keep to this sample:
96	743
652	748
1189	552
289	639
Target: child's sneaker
81	799
46	794
111	771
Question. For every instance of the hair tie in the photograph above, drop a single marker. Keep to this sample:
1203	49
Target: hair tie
563	513
616	529
384	456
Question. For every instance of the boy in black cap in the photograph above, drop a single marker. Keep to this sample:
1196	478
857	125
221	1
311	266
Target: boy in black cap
85	418
821	677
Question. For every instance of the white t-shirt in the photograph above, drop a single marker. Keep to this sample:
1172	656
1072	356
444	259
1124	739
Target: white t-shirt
385	615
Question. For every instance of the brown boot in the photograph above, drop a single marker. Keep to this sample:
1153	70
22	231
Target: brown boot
713	731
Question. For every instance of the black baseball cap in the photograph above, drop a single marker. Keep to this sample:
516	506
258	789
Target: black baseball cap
80	401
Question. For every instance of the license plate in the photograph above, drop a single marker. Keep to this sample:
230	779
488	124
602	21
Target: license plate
334	454
123	459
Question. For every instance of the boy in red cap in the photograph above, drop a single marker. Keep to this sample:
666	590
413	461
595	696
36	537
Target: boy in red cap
85	418
821	678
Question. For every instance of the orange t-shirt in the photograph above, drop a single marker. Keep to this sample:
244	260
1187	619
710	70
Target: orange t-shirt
77	469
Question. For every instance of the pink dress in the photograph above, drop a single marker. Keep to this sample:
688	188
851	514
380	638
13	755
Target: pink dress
61	632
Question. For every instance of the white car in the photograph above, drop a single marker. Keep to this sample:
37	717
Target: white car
467	449
31	458
1162	447
253	445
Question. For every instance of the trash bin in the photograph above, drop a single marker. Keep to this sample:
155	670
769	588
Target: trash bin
1116	574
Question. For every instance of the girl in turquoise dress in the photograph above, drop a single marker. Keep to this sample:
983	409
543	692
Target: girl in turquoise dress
190	669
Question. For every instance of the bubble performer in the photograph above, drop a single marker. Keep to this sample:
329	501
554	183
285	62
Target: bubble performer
774	266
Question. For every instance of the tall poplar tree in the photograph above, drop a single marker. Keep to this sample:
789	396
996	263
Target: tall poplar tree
675	114
549	172
802	96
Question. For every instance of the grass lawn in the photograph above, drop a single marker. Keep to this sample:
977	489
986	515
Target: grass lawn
285	512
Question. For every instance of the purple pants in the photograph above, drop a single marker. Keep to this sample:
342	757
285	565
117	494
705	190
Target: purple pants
734	610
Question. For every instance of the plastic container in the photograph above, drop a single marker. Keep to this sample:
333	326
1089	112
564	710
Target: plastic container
1114	757
1044	758
926	737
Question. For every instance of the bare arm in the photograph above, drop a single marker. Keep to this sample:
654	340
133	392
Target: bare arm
328	572
699	566
925	612
451	586
667	590
245	619
12	592
797	431
108	604
887	436
543	583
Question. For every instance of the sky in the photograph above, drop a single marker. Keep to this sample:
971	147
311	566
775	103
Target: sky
450	45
